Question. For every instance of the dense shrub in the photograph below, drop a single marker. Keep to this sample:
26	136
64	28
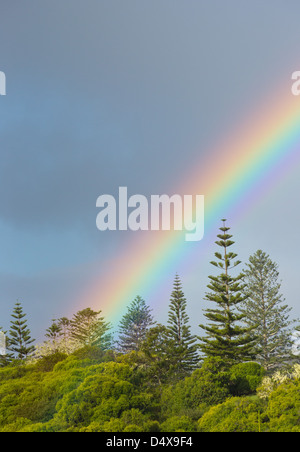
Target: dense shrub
179	424
73	394
205	387
237	414
245	378
283	408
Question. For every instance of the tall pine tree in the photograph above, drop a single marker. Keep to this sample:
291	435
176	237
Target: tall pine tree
266	313
225	336
181	343
88	328
19	334
134	325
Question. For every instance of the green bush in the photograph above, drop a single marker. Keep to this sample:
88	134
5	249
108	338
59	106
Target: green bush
283	408
205	387
237	414
245	378
71	394
179	424
47	363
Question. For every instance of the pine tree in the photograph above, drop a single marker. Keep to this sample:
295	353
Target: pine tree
183	350
266	312
54	334
19	334
134	325
54	331
88	329
59	336
156	358
225	336
64	325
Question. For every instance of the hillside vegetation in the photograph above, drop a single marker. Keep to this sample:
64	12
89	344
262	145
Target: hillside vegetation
90	393
243	375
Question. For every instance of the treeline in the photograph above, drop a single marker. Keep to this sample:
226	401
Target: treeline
247	321
155	377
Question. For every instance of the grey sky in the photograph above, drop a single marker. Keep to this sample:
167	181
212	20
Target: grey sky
108	93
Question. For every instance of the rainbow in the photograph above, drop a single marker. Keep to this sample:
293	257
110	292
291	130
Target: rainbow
237	171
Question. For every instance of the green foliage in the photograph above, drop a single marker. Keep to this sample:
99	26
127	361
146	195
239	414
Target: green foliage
130	421
155	358
235	415
76	382
179	424
182	347
280	413
284	408
19	334
47	363
88	328
245	378
72	394
134	326
225	337
191	397
75	394
94	353
265	313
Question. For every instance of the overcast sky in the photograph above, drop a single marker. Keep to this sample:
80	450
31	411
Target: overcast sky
109	93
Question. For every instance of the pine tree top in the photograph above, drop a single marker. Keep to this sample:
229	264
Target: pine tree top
225	337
